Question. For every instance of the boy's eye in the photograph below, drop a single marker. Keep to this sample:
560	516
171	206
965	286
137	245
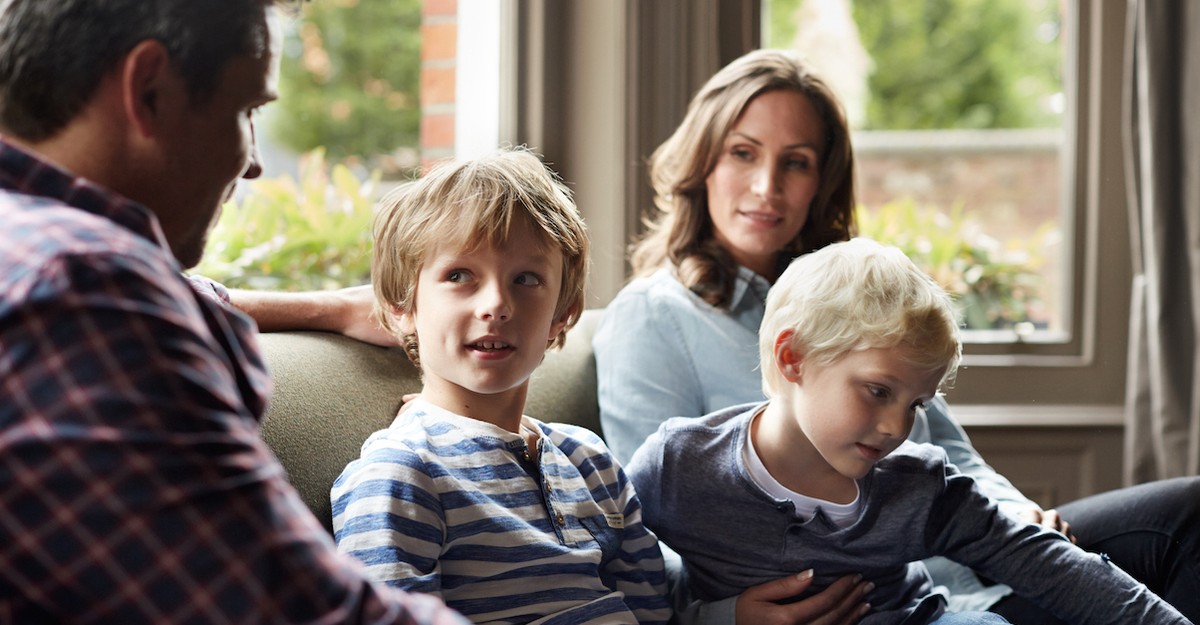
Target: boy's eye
456	275
877	391
528	279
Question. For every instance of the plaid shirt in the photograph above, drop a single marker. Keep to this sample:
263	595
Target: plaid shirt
134	487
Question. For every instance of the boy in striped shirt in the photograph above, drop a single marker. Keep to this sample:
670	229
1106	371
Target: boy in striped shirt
479	268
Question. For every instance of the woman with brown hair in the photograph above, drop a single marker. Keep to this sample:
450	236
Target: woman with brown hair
759	172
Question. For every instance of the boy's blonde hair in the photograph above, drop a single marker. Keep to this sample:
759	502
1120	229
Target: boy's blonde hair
473	203
859	295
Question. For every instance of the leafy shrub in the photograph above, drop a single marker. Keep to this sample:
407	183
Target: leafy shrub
289	234
996	285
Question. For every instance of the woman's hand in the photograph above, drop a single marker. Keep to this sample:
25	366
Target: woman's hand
840	604
1049	519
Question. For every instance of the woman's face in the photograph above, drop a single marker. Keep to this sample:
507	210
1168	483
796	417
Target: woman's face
765	178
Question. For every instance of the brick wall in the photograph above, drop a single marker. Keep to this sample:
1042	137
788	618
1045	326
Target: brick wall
439	43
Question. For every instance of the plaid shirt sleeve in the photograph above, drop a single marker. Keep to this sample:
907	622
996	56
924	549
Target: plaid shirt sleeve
134	486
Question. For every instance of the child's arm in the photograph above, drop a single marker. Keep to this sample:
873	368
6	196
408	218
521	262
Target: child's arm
388	515
1039	564
946	433
635	567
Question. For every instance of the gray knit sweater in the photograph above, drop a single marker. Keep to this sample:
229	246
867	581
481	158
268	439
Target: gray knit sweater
699	499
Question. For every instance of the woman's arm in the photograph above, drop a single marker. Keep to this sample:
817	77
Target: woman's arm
348	311
644	372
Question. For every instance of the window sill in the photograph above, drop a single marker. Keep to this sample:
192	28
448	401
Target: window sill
1042	415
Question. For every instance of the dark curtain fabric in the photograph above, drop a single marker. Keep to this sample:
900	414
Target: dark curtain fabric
1162	148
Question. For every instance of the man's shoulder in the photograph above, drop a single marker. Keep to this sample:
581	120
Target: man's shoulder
41	233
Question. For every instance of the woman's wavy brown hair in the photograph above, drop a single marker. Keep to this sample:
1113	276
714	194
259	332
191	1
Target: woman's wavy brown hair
681	233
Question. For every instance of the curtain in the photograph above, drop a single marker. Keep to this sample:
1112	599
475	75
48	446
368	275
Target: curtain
1162	150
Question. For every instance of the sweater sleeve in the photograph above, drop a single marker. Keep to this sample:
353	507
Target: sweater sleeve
946	433
1039	564
645	471
388	515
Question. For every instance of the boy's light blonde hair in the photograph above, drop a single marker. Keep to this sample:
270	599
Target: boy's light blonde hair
474	203
859	295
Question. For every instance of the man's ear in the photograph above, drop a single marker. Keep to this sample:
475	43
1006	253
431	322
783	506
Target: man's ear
147	85
788	359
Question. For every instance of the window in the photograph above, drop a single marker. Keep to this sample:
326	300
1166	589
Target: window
367	93
601	84
595	86
958	109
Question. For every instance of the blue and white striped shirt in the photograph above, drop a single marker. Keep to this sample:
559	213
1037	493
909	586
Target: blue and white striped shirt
446	504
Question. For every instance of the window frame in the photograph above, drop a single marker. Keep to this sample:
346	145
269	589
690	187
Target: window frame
599	85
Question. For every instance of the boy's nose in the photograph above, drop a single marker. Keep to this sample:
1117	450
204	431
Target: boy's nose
494	304
895	423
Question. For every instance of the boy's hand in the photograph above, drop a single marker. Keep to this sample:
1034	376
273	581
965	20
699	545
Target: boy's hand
840	604
1049	519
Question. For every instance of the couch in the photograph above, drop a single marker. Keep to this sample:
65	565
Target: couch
331	392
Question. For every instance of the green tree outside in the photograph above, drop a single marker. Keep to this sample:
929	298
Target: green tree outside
350	83
952	64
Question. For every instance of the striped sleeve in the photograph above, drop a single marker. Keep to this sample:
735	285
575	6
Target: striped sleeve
387	514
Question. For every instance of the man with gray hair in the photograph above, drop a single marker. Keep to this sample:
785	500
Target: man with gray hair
134	487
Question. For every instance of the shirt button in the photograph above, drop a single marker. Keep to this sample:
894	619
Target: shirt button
560	518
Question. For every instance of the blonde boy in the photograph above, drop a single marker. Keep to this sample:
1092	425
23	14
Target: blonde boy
479	267
819	478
